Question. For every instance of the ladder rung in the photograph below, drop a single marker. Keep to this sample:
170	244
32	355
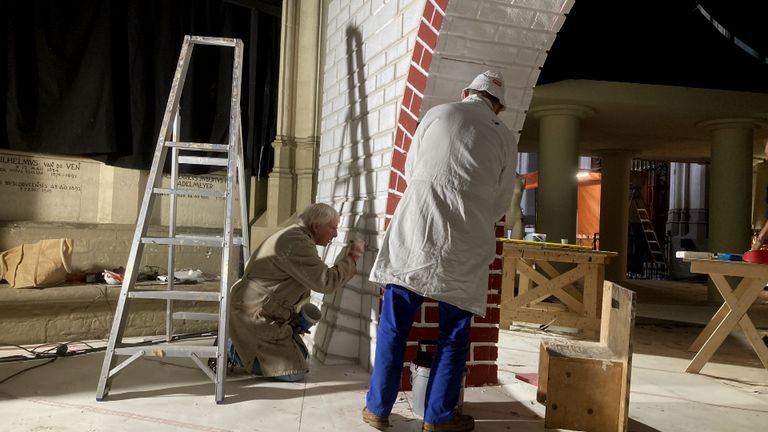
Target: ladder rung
645	220
195	160
170	350
206	40
190	192
177	295
211	241
197	316
193	146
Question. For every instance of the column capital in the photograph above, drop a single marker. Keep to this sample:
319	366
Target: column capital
732	123
579	111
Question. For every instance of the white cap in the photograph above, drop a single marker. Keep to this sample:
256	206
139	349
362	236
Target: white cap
490	81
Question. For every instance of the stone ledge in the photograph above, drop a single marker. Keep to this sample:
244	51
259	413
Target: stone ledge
106	246
85	312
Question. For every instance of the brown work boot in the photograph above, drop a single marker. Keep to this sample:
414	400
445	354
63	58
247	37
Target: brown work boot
379	422
459	423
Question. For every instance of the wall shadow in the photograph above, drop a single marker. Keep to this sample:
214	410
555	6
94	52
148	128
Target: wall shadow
354	184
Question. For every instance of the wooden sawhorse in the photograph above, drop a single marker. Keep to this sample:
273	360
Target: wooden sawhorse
734	311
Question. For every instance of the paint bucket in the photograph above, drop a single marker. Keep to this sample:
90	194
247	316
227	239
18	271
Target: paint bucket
309	316
420	377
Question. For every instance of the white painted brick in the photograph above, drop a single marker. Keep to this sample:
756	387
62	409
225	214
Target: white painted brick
382	142
471	28
402	67
333	8
388	117
466	8
375	98
343	343
546	21
412	14
549	5
385	77
517	76
382	181
406	6
394	93
451	68
372	122
524	37
376	63
343	15
397	51
380	206
391	33
497	12
383	15
350	300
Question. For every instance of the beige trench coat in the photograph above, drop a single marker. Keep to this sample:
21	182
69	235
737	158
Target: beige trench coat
276	281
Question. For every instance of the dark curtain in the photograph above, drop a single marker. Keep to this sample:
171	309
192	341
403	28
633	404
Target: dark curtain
92	77
667	42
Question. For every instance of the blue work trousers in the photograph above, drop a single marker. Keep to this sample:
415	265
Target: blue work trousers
444	386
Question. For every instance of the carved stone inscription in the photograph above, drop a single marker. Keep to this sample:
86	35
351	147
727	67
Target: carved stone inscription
45	188
199	211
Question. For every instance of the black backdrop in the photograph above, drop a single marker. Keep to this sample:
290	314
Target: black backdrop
91	77
666	42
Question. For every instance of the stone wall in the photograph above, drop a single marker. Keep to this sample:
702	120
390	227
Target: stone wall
85	312
96	205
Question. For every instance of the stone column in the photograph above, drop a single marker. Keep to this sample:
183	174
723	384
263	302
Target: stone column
730	186
291	182
614	209
558	165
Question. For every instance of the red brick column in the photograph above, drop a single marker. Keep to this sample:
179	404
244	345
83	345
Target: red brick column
485	331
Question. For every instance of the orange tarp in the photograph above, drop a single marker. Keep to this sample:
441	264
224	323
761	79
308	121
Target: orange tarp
588	204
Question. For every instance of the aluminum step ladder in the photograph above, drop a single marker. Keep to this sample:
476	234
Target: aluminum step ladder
231	157
658	258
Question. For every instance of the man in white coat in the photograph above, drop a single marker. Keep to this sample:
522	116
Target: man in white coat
461	174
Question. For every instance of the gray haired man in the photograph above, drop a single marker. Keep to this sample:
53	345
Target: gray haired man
277	280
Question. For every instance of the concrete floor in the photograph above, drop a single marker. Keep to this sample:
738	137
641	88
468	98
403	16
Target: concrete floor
731	393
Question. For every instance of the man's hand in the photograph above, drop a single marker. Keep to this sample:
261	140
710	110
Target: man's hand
356	249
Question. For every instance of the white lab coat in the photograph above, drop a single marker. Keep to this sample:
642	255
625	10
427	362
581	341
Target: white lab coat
461	174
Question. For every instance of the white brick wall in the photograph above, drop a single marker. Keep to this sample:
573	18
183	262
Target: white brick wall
482	34
354	176
368	50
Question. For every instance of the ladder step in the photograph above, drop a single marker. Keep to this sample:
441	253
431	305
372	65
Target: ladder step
206	40
193	146
197	316
177	295
195	160
190	192
645	220
170	350
211	241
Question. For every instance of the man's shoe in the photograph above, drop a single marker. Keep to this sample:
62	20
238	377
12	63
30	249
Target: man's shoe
379	422
459	423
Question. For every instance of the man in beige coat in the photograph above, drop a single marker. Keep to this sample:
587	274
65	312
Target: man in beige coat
264	318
